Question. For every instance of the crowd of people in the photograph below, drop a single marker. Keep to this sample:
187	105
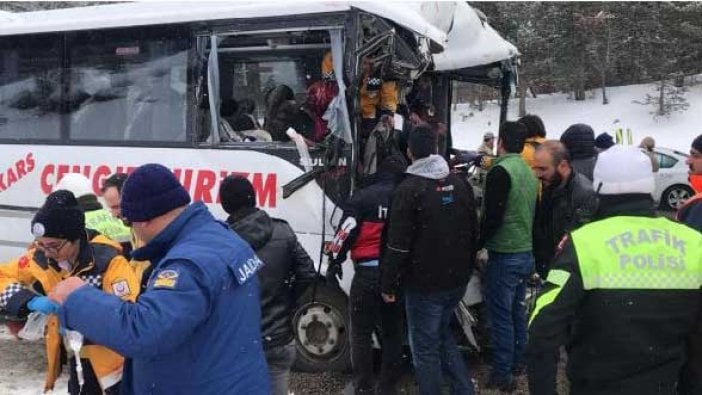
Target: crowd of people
170	300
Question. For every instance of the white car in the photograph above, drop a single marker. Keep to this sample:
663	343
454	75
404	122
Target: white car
672	184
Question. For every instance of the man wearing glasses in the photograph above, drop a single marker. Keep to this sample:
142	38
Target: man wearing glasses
63	248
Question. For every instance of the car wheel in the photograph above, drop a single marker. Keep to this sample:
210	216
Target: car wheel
321	331
675	196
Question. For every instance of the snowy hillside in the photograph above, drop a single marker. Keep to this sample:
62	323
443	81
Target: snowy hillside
559	112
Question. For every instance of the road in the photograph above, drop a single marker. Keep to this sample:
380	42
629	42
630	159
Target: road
22	369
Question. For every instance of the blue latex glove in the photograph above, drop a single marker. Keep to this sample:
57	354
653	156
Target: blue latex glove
43	305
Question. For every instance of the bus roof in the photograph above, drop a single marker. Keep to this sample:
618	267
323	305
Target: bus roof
472	42
155	13
454	25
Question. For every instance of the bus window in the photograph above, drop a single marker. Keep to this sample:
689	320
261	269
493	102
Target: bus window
134	86
475	111
264	81
30	87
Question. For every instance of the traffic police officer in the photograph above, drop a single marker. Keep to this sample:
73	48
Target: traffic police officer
623	294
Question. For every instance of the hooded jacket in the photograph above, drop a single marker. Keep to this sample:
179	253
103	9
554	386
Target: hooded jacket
196	327
432	230
624	321
287	270
579	139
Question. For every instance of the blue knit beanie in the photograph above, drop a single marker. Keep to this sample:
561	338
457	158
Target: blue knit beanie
150	191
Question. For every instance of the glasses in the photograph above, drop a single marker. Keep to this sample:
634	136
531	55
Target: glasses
51	248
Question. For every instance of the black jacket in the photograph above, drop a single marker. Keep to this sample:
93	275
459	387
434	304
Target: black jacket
559	211
286	273
619	341
363	222
432	234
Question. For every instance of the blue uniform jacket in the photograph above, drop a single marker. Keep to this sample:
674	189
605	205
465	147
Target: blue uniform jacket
196	327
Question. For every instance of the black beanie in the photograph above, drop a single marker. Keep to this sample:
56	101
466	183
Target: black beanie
697	143
60	217
236	192
579	139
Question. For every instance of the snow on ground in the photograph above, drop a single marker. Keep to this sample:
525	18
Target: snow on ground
22	367
559	112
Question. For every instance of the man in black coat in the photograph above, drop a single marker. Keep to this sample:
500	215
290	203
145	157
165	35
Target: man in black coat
362	232
287	271
567	201
430	254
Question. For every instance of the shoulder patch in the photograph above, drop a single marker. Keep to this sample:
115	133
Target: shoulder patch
166	279
120	287
248	269
23	262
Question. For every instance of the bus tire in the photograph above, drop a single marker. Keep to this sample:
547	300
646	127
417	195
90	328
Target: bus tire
322	331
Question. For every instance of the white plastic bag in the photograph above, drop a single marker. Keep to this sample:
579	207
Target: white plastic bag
34	327
75	343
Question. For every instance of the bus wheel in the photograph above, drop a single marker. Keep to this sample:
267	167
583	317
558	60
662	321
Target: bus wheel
322	332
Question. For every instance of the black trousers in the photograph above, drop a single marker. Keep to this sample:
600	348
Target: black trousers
91	385
368	315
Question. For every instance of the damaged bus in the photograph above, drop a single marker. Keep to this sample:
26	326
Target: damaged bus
261	89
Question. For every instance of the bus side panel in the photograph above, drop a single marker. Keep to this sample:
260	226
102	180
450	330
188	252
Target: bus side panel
199	170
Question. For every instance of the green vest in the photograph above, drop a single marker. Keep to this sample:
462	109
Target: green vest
102	221
639	253
515	234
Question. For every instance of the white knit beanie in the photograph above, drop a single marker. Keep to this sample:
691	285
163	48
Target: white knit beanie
621	170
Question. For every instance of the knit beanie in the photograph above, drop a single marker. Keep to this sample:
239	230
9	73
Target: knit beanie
236	192
623	170
604	141
579	139
151	191
59	217
697	143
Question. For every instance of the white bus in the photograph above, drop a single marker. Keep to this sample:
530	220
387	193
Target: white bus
103	89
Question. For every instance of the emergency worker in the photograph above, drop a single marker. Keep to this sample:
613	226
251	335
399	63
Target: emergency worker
623	293
691	212
96	217
111	190
63	248
691	215
361	233
378	97
196	327
536	135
